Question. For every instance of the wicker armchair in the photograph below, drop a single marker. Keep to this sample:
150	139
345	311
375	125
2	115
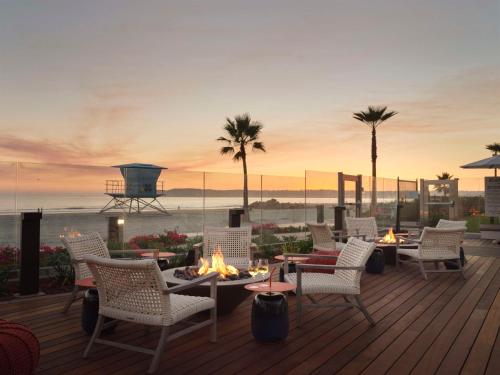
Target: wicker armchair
452	224
435	245
323	239
78	247
345	281
135	291
363	227
235	244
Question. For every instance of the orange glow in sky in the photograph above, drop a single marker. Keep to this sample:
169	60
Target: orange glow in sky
93	83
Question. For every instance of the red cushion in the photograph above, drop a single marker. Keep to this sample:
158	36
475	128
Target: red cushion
329	261
19	349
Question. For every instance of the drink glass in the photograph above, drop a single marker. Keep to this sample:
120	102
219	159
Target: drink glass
263	266
253	267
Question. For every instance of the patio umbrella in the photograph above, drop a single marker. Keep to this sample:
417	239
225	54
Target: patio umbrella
488	163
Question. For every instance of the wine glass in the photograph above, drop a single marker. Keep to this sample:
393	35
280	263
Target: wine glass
253	267
263	266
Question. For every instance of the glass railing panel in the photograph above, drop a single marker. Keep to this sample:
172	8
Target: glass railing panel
283	213
321	196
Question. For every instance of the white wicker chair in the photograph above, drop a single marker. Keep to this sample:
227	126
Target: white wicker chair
78	247
452	224
363	227
345	281
435	245
322	237
135	291
235	244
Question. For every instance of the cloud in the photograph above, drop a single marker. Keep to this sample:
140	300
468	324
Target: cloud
49	151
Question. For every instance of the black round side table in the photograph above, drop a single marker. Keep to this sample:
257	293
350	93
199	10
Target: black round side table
270	311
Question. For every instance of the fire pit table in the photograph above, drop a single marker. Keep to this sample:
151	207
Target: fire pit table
230	293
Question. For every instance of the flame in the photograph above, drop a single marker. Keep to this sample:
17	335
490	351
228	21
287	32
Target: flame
218	266
389	237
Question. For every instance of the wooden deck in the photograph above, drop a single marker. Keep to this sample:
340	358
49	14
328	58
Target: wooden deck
444	325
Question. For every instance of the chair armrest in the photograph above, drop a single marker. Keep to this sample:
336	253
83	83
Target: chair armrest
407	240
179	288
296	255
311	255
327	267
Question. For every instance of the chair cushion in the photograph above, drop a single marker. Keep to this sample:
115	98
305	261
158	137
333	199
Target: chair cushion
317	283
329	261
183	306
414	254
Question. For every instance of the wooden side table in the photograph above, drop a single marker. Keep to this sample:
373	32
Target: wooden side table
270	320
161	257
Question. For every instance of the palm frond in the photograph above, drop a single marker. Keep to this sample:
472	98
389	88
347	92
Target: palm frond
494	147
227	150
224	139
374	116
258	146
238	156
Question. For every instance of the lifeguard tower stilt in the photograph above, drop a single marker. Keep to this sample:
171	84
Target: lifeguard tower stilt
138	190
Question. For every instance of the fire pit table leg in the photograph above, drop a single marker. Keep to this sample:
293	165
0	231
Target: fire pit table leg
270	317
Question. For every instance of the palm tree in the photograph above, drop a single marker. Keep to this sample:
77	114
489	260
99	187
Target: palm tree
373	118
495	148
443	188
242	132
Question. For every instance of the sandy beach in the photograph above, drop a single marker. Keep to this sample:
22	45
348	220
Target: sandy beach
184	221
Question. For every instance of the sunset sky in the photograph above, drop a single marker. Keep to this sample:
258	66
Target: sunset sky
109	82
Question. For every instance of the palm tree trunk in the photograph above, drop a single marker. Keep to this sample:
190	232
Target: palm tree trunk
245	186
374	172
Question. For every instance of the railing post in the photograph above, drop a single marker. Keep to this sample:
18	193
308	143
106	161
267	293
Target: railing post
30	252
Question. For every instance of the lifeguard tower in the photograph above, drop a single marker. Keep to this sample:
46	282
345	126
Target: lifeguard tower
138	190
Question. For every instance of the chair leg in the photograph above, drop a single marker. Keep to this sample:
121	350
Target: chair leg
347	300
95	335
422	269
459	262
298	295
364	310
159	350
213	327
72	298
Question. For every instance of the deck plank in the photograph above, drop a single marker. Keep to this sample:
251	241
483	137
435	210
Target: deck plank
393	351
411	357
443	325
482	349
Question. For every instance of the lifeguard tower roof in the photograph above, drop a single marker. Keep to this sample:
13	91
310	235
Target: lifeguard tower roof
139	165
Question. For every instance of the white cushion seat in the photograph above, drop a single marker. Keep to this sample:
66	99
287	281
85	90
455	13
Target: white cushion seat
317	283
415	254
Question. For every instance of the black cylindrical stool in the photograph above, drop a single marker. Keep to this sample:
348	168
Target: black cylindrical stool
90	312
270	317
376	262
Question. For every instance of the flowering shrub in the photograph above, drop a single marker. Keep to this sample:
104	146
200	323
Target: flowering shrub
8	255
161	242
172	238
144	242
